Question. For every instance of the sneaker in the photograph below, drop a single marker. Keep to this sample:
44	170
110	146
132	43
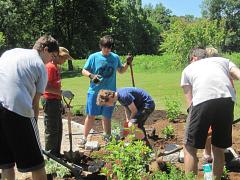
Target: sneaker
82	143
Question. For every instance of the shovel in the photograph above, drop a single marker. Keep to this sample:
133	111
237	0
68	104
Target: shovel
70	155
132	77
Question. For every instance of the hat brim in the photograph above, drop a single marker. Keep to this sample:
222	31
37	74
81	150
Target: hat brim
67	55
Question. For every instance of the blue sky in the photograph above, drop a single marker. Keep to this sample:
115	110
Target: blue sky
179	7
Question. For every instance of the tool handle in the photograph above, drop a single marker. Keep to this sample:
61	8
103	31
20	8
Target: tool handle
131	68
69	127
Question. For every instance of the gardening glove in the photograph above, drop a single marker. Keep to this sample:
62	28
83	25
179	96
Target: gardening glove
129	59
67	94
95	78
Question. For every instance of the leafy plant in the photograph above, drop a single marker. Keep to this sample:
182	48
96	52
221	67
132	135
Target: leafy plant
184	35
168	132
77	111
173	108
53	167
174	174
126	161
2	39
225	173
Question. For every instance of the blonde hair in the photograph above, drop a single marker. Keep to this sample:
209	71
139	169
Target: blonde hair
212	52
103	96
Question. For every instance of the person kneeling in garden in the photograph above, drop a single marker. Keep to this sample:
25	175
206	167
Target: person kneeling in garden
138	105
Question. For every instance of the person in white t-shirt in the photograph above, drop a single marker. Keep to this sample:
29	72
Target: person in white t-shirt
23	79
207	152
209	92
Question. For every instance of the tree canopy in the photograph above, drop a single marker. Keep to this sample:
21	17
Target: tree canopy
78	26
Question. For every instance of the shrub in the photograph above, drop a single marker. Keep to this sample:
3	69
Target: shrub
53	167
126	161
184	35
77	111
225	173
174	174
168	132
173	109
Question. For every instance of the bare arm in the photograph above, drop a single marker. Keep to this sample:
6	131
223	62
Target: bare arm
235	72
188	94
125	66
86	73
35	104
126	114
133	110
123	69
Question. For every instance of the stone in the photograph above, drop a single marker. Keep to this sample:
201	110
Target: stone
92	145
181	156
171	157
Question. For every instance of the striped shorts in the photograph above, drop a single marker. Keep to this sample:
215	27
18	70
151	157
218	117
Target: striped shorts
19	142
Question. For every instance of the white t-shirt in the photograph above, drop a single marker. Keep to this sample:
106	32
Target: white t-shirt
22	75
209	78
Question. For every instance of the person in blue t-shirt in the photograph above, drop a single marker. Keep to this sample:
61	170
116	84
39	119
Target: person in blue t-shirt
138	104
101	68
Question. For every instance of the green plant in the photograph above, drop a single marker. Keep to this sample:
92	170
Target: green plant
78	110
2	39
173	108
53	167
184	35
174	174
168	132
225	173
126	161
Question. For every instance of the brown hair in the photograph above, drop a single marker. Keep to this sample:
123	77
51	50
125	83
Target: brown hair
104	95
106	41
197	52
46	41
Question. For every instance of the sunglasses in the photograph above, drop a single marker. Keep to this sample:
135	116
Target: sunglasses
107	46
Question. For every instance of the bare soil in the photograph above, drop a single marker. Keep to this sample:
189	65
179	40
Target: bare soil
159	121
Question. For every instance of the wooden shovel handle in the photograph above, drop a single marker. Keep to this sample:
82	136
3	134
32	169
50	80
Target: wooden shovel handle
133	83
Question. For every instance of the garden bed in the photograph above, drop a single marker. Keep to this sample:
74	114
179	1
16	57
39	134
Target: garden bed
159	121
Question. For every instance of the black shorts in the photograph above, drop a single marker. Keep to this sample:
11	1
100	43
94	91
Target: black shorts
19	142
217	113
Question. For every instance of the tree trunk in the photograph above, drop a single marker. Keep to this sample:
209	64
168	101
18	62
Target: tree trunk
70	65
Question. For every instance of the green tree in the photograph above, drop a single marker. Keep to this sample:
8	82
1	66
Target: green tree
159	17
78	24
24	21
2	41
131	29
227	10
183	36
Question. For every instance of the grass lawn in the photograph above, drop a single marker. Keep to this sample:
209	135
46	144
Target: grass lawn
159	85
